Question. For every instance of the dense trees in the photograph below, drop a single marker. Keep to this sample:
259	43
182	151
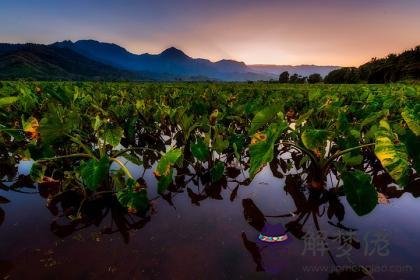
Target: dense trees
405	66
284	77
297	79
393	68
345	75
314	78
293	79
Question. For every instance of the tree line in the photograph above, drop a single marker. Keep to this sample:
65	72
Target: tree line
285	77
393	68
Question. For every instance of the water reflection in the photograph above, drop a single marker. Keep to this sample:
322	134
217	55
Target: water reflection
278	195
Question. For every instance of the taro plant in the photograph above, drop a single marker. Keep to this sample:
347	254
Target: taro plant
75	133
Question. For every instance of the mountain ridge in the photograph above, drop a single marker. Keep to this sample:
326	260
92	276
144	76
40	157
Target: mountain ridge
169	65
44	62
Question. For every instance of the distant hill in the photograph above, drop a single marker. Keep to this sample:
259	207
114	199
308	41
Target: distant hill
51	63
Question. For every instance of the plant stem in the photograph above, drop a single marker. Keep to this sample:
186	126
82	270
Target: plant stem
63	157
123	167
120	153
77	141
302	149
338	154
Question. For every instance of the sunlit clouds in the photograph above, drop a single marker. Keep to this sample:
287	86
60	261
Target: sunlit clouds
256	32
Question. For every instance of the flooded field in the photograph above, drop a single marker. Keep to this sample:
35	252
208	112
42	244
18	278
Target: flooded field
209	181
197	232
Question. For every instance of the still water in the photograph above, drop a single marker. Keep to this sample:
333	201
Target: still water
195	232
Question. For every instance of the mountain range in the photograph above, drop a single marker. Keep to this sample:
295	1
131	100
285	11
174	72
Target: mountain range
93	60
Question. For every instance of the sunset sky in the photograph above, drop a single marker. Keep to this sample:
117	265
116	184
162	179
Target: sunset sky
327	32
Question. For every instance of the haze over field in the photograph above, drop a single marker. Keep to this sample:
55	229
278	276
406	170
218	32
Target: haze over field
345	33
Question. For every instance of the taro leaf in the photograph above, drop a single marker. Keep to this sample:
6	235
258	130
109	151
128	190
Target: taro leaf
164	165
304	117
360	193
31	125
40	151
96	123
373	117
165	181
412	119
220	145
37	172
303	161
64	94
342	124
113	135
315	140
238	143
352	160
133	158
94	172
217	171
237	140
200	150
263	117
314	95
392	154
57	123
412	142
213	117
134	200
370	134
262	147
6	101
131	128
16	134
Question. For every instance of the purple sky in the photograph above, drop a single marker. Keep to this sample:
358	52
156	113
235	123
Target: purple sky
254	31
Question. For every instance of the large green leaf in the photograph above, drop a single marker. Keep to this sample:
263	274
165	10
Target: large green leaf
165	181
94	172
373	117
392	154
264	117
302	118
164	165
359	191
217	171
219	144
412	143
352	160
134	200
37	172
6	101
342	124
200	150
57	123
315	140
18	135
262	147
412	119
113	135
